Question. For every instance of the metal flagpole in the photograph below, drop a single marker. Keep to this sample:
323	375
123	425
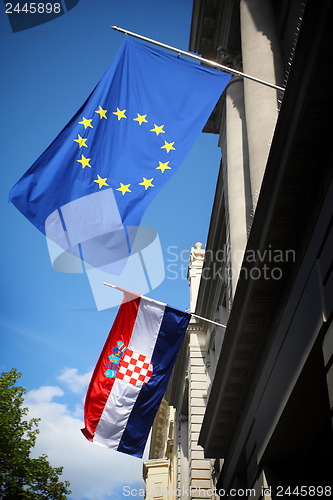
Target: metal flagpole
199	58
208	320
192	314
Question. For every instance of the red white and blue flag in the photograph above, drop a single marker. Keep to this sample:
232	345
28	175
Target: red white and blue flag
132	373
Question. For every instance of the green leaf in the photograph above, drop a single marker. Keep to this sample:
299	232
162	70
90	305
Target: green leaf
20	475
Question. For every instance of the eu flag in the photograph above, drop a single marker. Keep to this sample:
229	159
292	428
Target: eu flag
132	133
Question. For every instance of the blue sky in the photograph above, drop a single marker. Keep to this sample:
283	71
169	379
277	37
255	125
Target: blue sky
51	330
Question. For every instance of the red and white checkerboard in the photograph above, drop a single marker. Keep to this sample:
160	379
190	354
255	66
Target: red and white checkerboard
134	368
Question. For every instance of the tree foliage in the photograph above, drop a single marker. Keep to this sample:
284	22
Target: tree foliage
23	477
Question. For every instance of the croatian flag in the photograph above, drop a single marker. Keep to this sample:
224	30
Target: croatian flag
132	373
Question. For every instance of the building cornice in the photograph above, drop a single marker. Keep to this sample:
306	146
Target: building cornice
160	463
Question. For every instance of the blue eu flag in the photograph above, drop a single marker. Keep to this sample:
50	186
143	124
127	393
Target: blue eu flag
98	176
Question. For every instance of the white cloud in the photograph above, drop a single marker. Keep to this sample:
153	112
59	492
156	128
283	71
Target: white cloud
45	394
95	473
73	380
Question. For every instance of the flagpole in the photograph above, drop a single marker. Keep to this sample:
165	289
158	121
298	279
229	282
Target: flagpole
199	58
208	320
192	314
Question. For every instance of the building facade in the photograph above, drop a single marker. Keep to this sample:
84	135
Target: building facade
252	402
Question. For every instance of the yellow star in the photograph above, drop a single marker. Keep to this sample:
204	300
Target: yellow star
168	146
124	188
140	119
120	114
101	182
146	183
85	161
102	113
81	142
163	166
158	130
86	123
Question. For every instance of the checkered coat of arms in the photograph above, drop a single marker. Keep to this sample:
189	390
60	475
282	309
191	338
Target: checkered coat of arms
129	366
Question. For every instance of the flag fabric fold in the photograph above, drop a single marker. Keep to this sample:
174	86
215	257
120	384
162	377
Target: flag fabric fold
132	373
120	148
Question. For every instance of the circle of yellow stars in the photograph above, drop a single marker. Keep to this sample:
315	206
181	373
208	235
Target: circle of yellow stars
121	114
